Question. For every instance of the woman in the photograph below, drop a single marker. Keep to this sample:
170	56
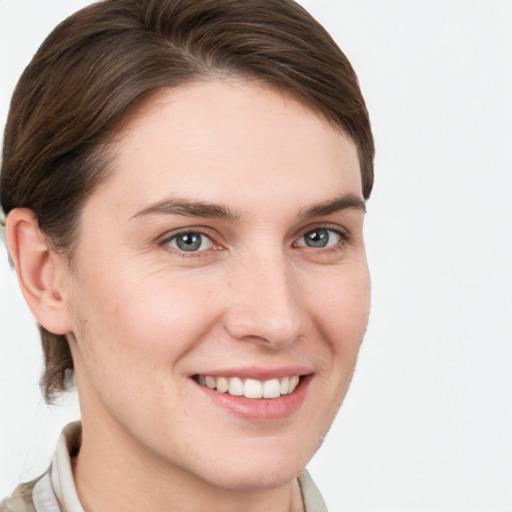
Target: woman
184	184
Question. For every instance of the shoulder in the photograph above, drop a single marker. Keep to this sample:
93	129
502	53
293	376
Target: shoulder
21	499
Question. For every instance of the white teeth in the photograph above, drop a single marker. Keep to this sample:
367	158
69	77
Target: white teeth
271	388
210	382
251	388
222	384
284	388
236	387
294	381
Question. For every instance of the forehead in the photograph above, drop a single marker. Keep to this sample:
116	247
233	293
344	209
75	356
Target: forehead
214	137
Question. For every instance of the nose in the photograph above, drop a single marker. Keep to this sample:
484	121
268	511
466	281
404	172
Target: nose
265	302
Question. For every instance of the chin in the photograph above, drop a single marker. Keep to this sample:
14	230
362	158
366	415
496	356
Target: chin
250	477
266	468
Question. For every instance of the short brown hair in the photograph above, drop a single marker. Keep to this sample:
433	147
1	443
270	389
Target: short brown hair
104	60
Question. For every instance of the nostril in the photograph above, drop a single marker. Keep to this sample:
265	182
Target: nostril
268	304
260	327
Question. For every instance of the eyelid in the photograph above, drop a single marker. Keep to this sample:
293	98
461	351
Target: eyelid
165	239
342	232
206	232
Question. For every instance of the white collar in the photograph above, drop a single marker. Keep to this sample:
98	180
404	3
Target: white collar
56	491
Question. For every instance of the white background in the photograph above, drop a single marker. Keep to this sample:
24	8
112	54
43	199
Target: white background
427	424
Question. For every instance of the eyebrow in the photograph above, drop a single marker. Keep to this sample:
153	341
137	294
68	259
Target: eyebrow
188	208
205	209
344	202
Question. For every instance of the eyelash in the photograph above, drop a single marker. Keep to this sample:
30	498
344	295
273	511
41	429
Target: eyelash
187	254
343	234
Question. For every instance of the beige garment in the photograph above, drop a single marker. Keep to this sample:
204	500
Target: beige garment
55	490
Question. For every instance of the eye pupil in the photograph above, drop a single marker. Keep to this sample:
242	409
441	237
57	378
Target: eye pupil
317	238
189	241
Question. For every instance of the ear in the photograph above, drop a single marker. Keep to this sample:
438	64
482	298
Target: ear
41	272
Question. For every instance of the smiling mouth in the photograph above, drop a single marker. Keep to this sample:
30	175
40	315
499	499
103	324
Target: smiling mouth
250	388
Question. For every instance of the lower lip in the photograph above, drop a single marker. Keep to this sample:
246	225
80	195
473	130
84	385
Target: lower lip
261	409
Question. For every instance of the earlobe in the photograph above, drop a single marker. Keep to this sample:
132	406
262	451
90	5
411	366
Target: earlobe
37	268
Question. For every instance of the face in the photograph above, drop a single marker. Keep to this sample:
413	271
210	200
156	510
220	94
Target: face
221	289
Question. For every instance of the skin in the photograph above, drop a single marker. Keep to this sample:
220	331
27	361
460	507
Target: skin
142	316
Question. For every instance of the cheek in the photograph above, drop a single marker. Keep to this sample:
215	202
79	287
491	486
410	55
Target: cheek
153	318
342	311
132	336
342	306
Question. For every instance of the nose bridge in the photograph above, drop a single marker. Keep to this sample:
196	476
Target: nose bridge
266	302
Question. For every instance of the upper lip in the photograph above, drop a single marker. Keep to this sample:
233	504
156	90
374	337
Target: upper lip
258	373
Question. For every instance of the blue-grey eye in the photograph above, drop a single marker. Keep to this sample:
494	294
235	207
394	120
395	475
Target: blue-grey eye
319	238
190	241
